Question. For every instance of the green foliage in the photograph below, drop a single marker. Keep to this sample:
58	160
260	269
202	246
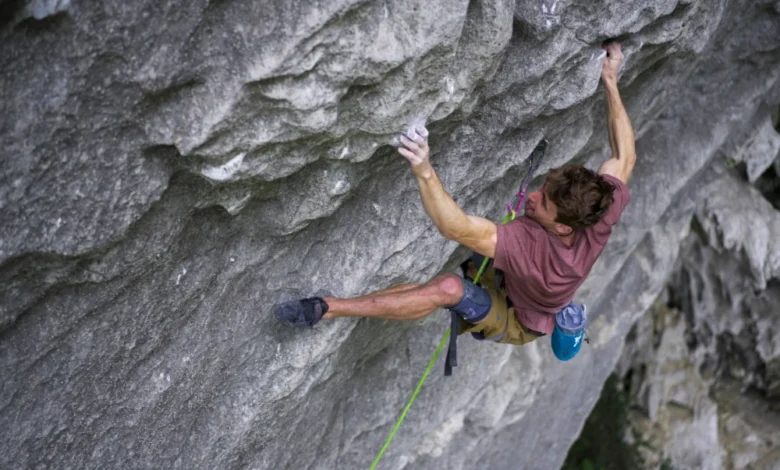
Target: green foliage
602	444
666	464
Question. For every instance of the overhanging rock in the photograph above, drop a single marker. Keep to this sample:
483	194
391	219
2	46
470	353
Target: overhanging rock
171	169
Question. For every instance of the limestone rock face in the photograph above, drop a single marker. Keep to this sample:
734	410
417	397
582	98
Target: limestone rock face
706	377
169	170
675	412
728	283
690	417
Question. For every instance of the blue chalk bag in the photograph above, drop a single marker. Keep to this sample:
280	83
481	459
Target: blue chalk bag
569	331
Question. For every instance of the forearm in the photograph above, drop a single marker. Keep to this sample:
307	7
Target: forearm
440	207
621	135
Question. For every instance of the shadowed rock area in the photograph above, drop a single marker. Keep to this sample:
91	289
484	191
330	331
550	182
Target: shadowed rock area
170	170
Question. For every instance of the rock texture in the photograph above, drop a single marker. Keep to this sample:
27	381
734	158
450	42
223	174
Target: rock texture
169	170
687	417
728	284
706	377
674	412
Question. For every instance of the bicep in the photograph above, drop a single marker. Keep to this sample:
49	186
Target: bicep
480	234
619	168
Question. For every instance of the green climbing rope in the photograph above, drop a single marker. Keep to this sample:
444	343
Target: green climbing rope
427	370
411	399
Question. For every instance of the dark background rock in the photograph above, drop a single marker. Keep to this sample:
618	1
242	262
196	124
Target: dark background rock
170	170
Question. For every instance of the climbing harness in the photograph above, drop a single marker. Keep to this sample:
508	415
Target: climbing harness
533	164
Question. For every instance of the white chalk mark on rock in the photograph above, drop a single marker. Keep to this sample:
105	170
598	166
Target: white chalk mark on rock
41	9
223	172
450	85
234	206
550	17
339	188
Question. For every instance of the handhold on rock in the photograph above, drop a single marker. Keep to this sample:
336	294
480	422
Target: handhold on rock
416	127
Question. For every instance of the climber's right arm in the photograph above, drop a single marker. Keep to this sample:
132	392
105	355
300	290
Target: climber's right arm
477	233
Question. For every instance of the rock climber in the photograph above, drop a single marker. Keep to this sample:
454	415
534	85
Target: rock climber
545	255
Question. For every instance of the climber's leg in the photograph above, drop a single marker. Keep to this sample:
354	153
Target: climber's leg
394	289
404	302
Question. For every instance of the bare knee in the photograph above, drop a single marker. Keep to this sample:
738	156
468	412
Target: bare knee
449	287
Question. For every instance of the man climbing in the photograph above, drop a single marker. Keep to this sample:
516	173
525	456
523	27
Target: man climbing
544	255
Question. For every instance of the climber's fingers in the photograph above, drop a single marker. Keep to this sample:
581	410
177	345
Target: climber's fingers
413	157
614	51
612	61
416	151
417	146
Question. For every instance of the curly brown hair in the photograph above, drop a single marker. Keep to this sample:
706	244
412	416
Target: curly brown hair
581	196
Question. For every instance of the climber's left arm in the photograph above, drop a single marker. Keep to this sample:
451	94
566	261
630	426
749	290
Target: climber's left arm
621	134
477	233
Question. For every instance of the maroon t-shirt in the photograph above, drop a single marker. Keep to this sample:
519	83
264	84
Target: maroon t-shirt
541	272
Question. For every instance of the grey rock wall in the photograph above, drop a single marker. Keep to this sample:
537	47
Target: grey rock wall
169	170
704	377
728	284
686	415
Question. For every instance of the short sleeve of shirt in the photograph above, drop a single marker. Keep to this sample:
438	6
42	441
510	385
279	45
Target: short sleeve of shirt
620	199
512	245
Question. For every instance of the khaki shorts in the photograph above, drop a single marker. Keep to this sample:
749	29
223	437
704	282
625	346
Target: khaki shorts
501	324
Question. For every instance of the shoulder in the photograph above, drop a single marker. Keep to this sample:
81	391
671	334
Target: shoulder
621	188
517	241
521	234
620	198
615	181
518	234
522	226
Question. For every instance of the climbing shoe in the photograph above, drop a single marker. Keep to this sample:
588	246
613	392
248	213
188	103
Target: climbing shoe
302	312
